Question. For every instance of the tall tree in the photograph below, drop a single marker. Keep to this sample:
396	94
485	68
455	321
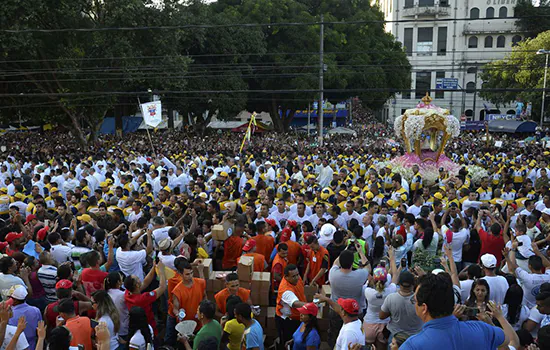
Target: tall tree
77	76
532	19
358	56
518	75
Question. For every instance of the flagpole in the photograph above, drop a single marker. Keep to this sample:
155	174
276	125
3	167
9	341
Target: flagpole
248	131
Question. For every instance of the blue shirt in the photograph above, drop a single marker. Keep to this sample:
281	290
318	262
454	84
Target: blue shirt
448	333
32	316
313	339
254	336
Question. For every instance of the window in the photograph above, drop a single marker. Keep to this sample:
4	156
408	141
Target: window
439	93
503	12
470	87
442	41
409	3
469	113
511	111
489	41
471	70
424	43
490	13
501	41
444	3
516	39
472	42
408	41
425	3
423	84
474	13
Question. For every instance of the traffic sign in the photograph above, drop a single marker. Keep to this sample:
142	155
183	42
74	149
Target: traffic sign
446	84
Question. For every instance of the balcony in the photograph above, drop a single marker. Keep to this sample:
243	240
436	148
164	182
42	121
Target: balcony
429	10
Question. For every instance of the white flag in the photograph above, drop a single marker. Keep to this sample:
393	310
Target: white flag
152	113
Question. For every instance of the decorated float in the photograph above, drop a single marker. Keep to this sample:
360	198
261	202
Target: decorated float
424	131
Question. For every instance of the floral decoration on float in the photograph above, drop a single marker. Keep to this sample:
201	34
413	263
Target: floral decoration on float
425	130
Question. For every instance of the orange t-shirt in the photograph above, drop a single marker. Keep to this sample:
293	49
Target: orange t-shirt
264	245
278	266
221	297
190	297
315	261
232	250
298	290
81	330
259	261
294	251
172	283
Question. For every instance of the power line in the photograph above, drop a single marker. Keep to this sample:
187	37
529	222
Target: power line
254	25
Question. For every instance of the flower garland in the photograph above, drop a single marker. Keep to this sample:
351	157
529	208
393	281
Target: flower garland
477	173
453	126
414	126
398	126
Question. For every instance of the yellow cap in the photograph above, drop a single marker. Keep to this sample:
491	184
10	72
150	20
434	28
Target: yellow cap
223	173
343	193
355	189
108	181
19	195
438	196
203	195
166	188
3	189
85	217
369	195
53	189
104	184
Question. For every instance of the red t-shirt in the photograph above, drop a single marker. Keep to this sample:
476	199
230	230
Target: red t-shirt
144	301
92	280
491	244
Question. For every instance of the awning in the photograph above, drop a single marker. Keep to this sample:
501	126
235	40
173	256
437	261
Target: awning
341	131
512	126
219	124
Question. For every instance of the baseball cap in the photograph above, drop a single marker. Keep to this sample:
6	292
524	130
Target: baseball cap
349	305
224	174
3	245
286	234
292	223
18	292
3	189
53	189
203	195
30	218
249	245
271	222
65	306
42	233
406	279
85	217
12	236
309	309
64	284
489	261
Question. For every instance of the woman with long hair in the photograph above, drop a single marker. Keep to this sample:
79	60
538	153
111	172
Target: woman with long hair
513	309
108	313
478	300
140	332
112	284
379	251
232	330
307	335
376	293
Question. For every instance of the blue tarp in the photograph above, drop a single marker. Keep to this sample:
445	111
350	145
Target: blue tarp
300	117
512	126
129	124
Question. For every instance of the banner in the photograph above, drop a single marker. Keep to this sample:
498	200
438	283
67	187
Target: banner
152	113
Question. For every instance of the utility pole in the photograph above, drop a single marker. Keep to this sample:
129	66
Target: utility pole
321	81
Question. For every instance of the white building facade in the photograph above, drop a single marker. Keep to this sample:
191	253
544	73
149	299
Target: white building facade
451	39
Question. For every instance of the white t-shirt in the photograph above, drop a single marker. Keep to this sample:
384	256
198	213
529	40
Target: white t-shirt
375	301
465	288
350	333
61	253
523	315
530	282
131	262
287	299
161	233
498	286
22	343
138	340
118	299
167	260
113	342
459	238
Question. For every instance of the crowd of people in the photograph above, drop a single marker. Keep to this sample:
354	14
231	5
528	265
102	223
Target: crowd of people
101	247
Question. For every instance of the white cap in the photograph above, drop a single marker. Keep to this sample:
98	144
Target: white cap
546	211
437	271
327	230
268	163
489	261
18	292
203	195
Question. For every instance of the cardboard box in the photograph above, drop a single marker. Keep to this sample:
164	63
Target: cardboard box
261	281
217	281
245	268
326	290
310	291
219	233
271	329
208	267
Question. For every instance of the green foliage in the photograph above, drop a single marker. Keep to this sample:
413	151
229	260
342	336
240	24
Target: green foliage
527	22
522	69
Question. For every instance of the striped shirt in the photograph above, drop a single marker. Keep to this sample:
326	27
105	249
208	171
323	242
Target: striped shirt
47	275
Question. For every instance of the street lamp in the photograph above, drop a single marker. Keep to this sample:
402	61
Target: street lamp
543	52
